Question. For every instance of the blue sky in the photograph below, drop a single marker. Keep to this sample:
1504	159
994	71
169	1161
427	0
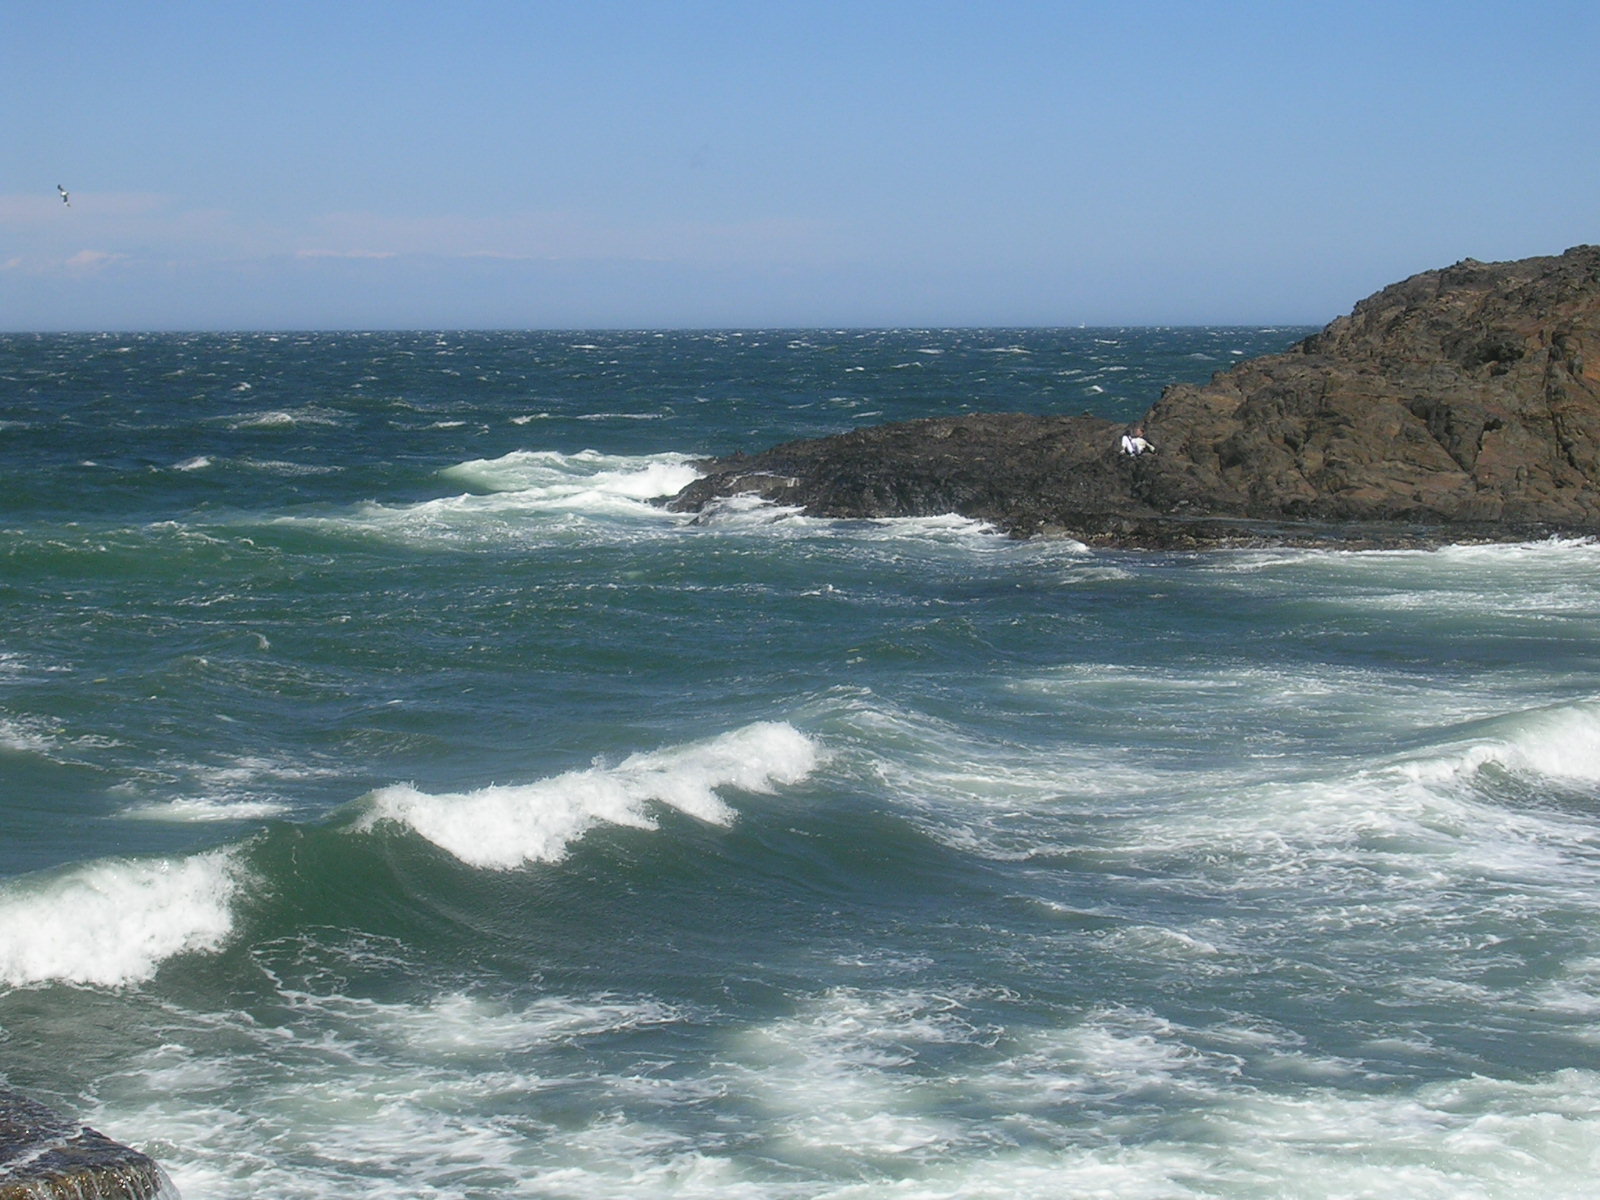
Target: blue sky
489	164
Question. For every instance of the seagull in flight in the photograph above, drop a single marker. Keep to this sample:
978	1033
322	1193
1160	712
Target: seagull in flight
65	196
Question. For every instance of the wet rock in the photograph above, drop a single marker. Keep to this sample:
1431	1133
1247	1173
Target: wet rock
44	1156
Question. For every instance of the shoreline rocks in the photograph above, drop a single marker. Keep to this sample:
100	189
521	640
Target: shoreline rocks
1462	404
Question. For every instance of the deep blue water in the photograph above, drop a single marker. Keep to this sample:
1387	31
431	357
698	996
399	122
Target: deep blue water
395	802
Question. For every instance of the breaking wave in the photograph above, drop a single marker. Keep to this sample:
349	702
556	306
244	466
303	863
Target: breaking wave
114	922
503	827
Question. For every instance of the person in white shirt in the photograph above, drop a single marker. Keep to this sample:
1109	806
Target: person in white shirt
1133	442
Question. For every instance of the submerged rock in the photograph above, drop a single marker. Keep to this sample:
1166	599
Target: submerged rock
44	1156
1460	403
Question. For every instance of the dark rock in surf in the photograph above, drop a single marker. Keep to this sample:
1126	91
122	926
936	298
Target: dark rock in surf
1006	468
44	1154
1460	403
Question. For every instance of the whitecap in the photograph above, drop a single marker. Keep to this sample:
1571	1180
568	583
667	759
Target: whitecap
507	826
264	420
115	921
290	469
26	736
286	419
205	809
549	478
527	494
1556	743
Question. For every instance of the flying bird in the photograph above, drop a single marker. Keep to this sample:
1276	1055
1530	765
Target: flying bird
65	197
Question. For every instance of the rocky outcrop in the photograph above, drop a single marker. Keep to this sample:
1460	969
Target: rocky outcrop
1018	472
1462	402
44	1156
1468	395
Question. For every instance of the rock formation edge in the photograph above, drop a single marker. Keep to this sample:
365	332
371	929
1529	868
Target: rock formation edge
1461	404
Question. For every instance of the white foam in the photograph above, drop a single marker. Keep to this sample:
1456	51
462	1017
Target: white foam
205	809
355	1096
25	735
550	478
1558	743
747	512
734	513
114	922
1476	1138
265	420
248	788
942	528
842	1079
858	1093
503	827
1458	577
44	736
465	1027
528	494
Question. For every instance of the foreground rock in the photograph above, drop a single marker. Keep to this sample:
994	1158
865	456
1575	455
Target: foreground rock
43	1155
1460	403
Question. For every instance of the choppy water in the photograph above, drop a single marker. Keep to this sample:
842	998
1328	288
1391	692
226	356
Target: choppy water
394	803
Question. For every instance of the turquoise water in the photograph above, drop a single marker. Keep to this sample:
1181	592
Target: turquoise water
395	802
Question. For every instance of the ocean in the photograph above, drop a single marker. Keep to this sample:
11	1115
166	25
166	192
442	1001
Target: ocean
395	802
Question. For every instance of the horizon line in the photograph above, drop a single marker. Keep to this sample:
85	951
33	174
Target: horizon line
353	330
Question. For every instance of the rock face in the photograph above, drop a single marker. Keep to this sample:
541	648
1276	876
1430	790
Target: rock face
1466	395
1462	402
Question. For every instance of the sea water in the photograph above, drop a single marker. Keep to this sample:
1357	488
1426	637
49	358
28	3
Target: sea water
395	802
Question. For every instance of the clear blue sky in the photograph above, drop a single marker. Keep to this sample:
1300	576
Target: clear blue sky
494	164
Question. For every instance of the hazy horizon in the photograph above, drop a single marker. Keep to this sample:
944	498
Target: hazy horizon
647	165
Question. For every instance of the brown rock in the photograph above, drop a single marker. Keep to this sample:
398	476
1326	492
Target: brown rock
1460	396
1460	403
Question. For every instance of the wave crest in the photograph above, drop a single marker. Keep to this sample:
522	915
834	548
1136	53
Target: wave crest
1561	743
506	826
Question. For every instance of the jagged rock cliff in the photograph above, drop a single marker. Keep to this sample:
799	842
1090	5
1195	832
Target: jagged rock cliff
1463	402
